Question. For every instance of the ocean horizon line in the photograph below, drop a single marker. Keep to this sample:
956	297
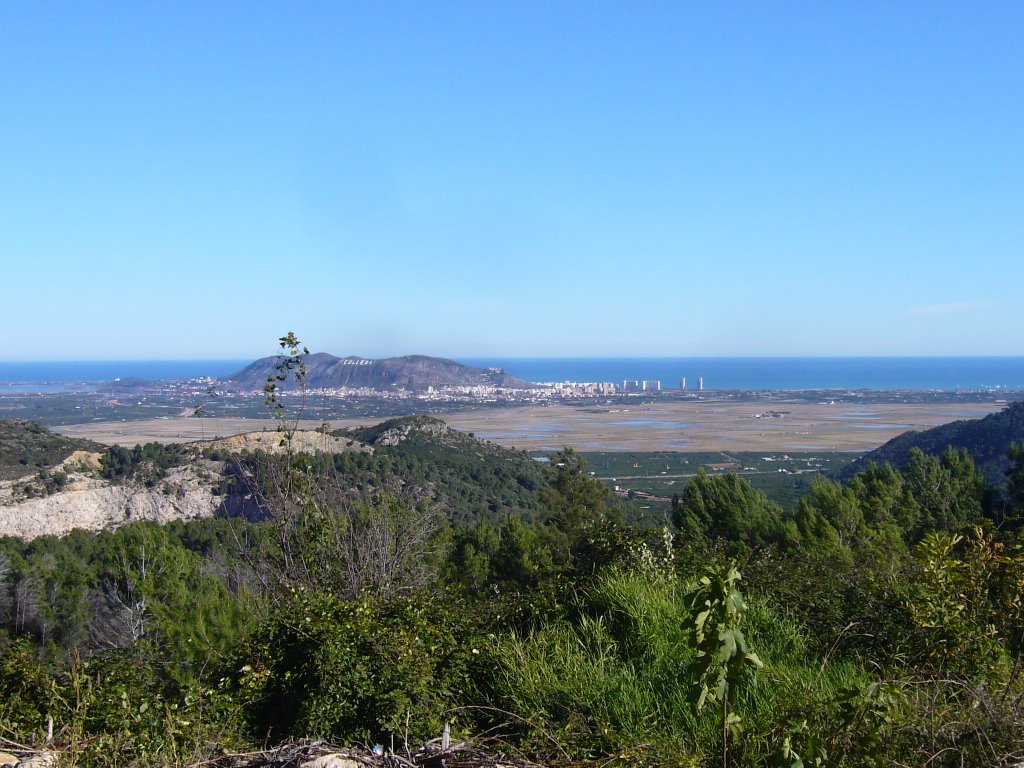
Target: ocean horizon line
882	373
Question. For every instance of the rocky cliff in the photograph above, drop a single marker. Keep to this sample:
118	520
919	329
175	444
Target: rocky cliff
92	504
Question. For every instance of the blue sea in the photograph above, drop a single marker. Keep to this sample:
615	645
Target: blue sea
747	373
52	376
779	373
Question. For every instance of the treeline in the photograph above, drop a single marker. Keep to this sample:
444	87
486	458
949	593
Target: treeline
464	478
988	440
880	623
881	511
144	463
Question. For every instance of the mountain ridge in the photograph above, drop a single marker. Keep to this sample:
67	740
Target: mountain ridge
410	372
987	440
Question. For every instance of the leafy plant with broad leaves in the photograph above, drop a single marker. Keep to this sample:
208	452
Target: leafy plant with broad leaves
293	364
722	657
801	748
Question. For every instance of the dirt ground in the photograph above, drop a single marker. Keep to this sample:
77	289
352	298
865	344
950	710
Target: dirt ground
670	426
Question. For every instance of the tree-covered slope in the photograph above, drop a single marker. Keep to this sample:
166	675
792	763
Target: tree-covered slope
987	440
26	447
470	478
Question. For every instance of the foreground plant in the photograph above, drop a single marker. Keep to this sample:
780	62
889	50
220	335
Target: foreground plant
722	657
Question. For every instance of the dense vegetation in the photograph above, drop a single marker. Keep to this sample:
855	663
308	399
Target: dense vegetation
27	447
988	440
146	463
422	461
785	477
878	622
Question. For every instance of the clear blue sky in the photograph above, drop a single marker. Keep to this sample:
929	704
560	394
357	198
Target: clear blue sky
191	180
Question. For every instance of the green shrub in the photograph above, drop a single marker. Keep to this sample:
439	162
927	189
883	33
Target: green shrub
610	680
25	692
117	708
361	670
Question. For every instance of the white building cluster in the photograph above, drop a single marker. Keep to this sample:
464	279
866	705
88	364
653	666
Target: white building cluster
646	385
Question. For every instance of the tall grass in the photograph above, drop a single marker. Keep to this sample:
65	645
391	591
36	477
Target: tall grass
613	681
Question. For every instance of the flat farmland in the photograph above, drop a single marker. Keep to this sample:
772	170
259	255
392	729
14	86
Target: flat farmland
705	425
712	426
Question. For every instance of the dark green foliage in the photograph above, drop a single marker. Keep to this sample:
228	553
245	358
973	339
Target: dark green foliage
1012	510
848	607
117	708
110	590
889	618
965	596
25	690
382	545
466	478
583	520
948	492
357	671
727	508
782	477
27	447
43	483
882	511
145	463
987	440
530	567
122	707
572	499
511	555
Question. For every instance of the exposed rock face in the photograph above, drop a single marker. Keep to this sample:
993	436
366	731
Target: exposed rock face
400	432
303	441
88	502
186	493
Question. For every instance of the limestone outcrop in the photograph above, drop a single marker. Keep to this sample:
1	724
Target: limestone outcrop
186	493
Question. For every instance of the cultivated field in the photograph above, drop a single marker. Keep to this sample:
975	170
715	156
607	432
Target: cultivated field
671	426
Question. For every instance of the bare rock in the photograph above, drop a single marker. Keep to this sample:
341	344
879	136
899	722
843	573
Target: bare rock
45	759
334	760
185	494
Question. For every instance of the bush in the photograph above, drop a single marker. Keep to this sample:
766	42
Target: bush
25	692
358	670
117	708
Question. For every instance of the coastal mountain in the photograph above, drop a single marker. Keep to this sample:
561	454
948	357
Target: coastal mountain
411	372
986	439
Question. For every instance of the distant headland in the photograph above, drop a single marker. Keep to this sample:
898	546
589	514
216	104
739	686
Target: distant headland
413	373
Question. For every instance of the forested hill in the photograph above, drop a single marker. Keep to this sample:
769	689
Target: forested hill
987	440
412	372
27	447
468	478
